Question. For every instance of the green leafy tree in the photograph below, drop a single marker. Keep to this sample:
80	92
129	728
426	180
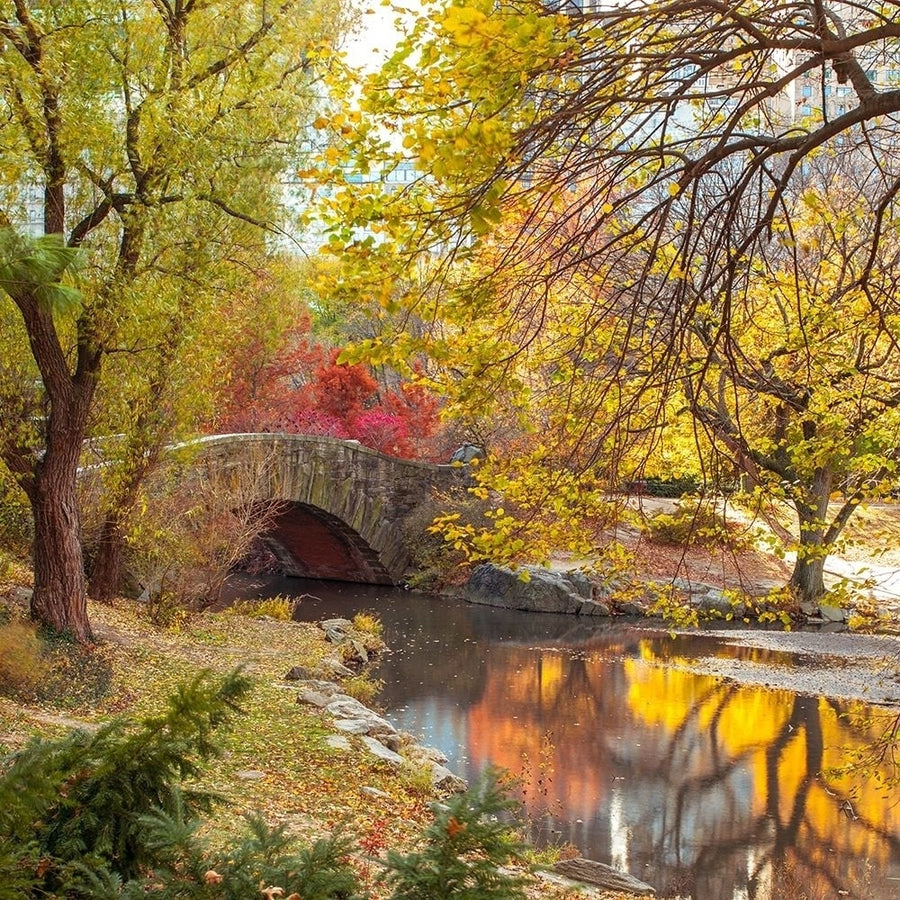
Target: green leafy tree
605	198
202	301
803	391
141	142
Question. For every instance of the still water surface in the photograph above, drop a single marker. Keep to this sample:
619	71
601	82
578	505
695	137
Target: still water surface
691	782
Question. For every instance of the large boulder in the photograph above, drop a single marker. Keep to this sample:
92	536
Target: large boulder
467	453
528	588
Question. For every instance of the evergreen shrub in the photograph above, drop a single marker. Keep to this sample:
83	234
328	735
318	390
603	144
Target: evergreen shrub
463	851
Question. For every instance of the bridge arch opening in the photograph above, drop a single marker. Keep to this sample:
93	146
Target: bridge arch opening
312	543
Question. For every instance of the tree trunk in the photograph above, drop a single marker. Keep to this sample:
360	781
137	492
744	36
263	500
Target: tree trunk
807	579
106	571
60	595
60	591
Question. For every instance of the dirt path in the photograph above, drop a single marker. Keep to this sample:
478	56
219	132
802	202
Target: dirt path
868	561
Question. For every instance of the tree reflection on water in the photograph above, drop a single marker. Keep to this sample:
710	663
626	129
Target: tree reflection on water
712	788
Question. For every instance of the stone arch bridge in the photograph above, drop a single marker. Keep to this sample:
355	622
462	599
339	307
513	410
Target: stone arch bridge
343	512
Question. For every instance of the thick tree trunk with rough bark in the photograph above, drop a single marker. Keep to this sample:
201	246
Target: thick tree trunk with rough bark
60	595
60	590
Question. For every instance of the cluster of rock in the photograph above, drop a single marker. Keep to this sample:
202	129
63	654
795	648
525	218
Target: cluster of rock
713	602
353	718
376	733
355	654
536	589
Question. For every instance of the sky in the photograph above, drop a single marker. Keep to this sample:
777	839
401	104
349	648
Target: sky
376	35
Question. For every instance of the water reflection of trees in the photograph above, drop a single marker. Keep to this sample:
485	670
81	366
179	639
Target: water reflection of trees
688	781
715	786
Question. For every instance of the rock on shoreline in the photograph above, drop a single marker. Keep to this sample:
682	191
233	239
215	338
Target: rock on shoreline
353	718
537	589
534	589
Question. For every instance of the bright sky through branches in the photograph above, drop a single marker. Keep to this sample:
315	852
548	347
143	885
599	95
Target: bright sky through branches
376	35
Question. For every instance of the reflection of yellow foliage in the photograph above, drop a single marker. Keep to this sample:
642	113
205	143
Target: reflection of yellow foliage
790	772
551	675
661	695
752	720
553	719
828	810
788	745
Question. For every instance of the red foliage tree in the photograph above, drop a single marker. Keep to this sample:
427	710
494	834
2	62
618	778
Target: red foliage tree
263	388
383	431
298	386
314	421
342	391
419	411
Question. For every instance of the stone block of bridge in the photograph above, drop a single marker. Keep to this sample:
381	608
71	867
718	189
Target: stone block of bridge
341	507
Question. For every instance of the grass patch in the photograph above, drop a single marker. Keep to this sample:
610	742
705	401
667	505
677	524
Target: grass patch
417	779
22	663
362	687
280	608
368	623
276	759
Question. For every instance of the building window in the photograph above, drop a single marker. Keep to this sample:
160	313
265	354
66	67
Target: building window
807	90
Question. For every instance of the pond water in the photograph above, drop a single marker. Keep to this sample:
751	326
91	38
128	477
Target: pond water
693	783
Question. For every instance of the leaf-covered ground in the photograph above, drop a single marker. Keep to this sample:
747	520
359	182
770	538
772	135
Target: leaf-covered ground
276	759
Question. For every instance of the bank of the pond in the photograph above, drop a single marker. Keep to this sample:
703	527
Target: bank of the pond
839	664
281	758
632	748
